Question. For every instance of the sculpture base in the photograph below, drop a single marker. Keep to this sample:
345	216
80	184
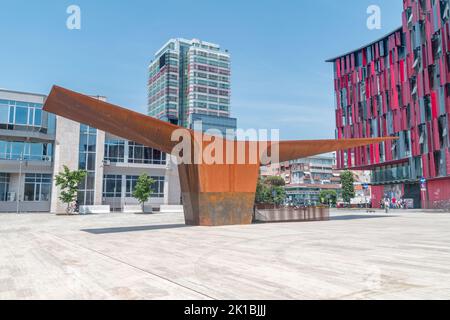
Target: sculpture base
218	195
218	208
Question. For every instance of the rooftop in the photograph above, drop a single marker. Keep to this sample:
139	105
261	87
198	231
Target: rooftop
367	45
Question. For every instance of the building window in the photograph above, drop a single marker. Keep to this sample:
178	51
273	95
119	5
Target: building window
10	150
87	148
4	186
37	187
157	187
112	186
16	115
137	153
114	151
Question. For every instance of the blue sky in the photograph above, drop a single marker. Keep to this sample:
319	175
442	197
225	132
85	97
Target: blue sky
279	77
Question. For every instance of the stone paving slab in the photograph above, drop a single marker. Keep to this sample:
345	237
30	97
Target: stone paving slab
125	256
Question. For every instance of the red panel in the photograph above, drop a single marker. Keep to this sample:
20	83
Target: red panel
434	107
372	155
447	156
377	153
438	190
432	165
377	195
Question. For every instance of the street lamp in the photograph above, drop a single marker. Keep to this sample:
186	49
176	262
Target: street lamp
19	184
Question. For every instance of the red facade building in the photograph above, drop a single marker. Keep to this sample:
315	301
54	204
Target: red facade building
400	86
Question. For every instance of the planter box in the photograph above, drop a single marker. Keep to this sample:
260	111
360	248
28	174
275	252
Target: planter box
94	209
137	209
292	215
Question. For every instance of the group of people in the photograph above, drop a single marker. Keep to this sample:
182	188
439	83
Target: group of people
393	203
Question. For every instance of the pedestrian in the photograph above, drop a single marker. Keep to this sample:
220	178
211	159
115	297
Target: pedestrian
386	205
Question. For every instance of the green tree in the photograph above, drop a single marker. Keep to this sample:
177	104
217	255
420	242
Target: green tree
278	195
270	190
68	182
275	181
262	192
328	197
348	189
143	189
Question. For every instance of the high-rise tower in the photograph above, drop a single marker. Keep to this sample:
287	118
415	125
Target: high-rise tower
189	80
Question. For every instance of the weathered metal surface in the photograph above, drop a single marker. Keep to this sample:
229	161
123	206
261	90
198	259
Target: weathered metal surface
213	194
216	195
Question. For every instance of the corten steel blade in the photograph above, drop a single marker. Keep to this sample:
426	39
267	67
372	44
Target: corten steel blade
219	193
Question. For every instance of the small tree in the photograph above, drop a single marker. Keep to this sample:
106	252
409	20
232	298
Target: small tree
270	190
348	189
278	195
68	182
143	189
328	197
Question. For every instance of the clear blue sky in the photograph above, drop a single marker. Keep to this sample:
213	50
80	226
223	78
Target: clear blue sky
280	79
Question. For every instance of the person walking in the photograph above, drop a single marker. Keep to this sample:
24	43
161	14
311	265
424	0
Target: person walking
386	205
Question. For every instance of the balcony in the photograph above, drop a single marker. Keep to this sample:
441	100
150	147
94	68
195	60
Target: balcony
28	166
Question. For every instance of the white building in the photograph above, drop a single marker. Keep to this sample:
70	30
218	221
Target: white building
35	145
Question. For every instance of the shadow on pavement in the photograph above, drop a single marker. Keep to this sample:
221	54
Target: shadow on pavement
134	229
354	217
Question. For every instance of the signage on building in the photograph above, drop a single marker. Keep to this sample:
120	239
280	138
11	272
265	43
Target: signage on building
423	184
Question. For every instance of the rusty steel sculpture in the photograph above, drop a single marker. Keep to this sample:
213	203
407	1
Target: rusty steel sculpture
213	194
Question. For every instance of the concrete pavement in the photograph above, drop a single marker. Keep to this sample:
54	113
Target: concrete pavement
125	256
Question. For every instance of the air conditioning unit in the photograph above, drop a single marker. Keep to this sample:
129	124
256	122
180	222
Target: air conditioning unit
107	162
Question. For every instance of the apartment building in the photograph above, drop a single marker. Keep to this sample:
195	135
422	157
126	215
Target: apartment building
305	178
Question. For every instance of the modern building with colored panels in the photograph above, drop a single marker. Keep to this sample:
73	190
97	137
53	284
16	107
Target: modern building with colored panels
189	80
35	145
400	86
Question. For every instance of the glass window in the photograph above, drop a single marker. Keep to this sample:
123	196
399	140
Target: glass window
88	141
10	150
21	115
115	150
90	162
138	153
157	187
4	111
4	186
112	186
37	118
130	185
37	187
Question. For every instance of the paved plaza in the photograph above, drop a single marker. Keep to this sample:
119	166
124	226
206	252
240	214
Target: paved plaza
356	255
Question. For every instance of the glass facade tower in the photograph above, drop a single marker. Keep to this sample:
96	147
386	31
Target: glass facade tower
189	80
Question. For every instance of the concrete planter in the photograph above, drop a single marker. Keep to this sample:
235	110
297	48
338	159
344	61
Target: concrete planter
287	214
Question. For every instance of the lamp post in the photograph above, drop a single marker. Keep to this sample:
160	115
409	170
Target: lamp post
19	184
